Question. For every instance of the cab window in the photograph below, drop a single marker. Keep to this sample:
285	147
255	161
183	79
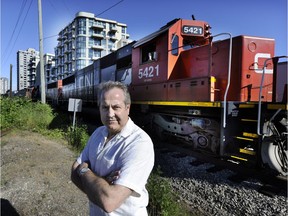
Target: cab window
148	53
175	44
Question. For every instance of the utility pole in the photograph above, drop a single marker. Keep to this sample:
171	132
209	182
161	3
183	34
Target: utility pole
10	81
42	74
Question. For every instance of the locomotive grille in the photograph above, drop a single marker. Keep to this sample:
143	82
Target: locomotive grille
193	83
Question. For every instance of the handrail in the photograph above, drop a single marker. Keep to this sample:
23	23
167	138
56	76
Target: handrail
229	76
260	91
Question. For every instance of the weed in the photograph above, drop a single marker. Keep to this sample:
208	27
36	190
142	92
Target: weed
77	136
162	200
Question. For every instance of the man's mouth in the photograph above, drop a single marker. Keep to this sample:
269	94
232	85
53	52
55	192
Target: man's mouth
111	121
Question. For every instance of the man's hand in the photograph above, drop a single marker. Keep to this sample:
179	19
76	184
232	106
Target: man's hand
81	166
76	167
113	176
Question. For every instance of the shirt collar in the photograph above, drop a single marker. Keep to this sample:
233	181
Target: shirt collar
128	128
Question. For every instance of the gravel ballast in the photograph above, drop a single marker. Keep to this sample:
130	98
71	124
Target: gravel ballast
212	193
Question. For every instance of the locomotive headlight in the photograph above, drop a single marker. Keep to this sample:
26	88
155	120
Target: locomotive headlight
207	30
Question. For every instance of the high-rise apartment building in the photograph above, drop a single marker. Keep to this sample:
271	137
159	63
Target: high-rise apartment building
3	85
85	39
27	63
49	67
49	70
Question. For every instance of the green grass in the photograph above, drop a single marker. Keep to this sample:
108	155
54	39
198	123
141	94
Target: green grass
163	201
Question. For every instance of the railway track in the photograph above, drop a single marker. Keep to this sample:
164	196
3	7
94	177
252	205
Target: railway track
213	186
271	184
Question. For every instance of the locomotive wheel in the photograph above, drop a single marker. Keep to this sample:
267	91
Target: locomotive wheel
273	156
202	142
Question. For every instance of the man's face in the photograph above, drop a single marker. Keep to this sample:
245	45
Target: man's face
114	113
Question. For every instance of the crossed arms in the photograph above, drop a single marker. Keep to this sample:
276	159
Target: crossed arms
100	190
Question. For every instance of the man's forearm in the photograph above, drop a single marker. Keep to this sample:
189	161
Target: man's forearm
76	180
99	191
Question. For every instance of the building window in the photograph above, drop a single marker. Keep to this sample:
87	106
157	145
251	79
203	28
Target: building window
110	44
80	64
81	52
81	26
91	22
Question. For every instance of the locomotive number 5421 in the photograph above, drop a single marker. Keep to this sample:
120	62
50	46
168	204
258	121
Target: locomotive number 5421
196	30
148	72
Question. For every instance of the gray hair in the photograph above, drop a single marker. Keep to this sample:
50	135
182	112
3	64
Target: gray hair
105	86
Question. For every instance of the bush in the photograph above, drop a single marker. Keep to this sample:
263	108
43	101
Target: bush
22	113
77	137
162	200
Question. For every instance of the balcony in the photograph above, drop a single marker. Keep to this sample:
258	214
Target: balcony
66	51
113	49
99	47
31	74
59	38
32	66
97	35
94	58
113	37
60	45
97	26
113	29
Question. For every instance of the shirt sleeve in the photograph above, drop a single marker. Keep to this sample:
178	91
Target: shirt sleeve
84	156
137	162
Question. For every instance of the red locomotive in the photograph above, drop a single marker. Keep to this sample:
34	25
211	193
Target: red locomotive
219	96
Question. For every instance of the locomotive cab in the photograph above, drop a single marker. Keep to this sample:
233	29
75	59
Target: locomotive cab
154	57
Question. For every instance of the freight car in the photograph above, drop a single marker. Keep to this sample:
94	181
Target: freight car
219	96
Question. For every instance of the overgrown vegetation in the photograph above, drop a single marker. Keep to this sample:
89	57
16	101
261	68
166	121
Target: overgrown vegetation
77	137
162	200
21	113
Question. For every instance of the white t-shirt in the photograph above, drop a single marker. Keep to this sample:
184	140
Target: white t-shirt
130	151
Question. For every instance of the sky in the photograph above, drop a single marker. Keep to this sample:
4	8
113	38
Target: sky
19	21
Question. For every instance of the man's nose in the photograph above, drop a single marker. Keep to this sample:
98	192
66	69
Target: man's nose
110	112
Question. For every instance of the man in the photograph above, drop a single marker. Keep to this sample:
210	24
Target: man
114	166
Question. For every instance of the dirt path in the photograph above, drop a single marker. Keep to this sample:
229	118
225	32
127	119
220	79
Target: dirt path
35	177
